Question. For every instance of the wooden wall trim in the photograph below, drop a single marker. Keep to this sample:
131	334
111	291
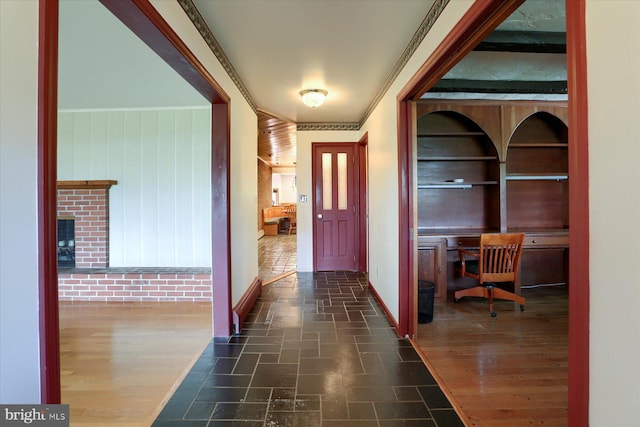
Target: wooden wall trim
243	307
578	215
479	20
145	21
104	184
50	392
387	312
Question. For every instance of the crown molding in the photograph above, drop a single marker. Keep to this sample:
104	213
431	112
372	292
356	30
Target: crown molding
194	15
436	9
428	21
303	126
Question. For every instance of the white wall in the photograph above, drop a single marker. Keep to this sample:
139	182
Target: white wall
304	230
287	187
614	198
160	210
19	338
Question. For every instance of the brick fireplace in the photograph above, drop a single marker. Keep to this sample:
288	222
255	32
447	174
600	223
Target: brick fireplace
86	205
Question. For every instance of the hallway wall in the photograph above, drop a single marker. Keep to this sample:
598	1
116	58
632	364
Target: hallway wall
19	345
614	191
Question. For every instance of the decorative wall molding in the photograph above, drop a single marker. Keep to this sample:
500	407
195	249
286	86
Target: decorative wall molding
425	26
194	15
436	9
327	126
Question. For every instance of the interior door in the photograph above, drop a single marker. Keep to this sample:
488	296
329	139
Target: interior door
335	208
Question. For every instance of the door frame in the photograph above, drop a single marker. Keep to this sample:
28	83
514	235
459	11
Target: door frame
481	18
361	223
144	20
363	213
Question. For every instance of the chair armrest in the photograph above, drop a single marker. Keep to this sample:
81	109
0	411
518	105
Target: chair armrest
461	255
463	252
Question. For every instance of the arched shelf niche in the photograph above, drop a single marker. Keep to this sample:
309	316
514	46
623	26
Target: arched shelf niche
537	174
458	175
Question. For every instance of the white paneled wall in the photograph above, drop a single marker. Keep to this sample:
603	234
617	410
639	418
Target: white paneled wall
160	210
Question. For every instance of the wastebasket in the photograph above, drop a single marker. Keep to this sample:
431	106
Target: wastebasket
426	292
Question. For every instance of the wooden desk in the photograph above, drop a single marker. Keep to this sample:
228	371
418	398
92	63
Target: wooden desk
544	258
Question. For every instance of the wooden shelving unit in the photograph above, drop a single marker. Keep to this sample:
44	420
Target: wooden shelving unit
487	166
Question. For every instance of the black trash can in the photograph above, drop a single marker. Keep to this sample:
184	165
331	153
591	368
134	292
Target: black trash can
426	293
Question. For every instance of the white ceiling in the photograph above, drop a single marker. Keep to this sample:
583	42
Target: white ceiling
102	64
277	47
346	47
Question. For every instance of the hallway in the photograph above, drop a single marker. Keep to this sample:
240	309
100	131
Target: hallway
316	350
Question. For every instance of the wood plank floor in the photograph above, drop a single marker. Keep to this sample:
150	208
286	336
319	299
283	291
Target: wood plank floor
508	371
120	362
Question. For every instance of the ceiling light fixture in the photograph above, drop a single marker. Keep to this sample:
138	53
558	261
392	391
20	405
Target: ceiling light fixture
313	97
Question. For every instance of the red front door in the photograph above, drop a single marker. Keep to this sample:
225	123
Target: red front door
334	206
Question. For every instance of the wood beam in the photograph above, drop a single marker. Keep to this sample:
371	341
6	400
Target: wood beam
524	41
500	86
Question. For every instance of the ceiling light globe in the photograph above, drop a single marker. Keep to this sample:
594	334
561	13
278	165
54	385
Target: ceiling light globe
313	97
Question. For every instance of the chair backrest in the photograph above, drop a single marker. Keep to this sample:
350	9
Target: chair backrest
499	259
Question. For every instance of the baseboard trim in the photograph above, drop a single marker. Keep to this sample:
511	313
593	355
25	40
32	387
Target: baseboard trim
260	234
241	310
390	317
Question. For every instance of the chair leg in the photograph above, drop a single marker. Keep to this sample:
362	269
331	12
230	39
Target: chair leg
490	290
509	296
478	291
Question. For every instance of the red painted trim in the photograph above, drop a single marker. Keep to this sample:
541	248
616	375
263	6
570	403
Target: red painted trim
144	20
221	219
363	224
242	309
390	317
405	221
47	158
578	215
479	20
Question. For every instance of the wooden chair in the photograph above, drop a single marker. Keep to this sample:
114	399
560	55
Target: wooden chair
293	219
497	261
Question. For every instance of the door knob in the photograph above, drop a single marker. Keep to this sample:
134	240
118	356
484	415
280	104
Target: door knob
319	216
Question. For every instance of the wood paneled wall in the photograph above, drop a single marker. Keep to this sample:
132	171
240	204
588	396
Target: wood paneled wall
160	211
264	189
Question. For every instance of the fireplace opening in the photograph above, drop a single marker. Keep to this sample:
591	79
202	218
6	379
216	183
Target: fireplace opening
66	243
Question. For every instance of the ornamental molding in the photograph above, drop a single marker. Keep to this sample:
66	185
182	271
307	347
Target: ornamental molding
194	15
427	23
304	126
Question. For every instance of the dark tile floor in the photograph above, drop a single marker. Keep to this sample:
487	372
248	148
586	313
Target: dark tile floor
317	350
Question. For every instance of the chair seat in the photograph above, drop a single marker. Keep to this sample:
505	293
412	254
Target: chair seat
472	266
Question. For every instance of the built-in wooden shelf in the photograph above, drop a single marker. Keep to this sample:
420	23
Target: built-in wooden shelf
457	158
537	177
86	185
